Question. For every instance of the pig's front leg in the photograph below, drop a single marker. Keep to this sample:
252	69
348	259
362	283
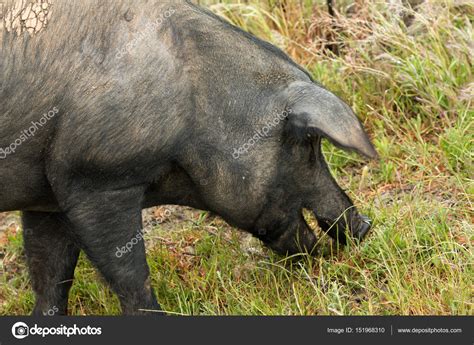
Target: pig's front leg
51	256
107	224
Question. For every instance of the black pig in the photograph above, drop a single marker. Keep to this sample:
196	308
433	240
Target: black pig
109	107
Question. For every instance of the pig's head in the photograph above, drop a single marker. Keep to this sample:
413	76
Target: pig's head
266	188
314	113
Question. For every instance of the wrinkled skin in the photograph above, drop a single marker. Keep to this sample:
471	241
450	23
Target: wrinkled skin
159	124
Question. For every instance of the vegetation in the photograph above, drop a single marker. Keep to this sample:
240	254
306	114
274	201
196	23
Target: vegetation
408	73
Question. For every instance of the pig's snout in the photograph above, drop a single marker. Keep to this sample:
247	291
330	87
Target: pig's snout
359	232
356	227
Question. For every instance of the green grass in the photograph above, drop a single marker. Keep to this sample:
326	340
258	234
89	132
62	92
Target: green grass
414	89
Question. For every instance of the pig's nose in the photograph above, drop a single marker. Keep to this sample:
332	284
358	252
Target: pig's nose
364	227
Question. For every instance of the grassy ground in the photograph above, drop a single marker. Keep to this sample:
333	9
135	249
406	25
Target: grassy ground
411	81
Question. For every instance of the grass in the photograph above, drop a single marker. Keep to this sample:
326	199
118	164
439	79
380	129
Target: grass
412	85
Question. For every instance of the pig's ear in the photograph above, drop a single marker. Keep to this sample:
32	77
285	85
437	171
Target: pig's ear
314	110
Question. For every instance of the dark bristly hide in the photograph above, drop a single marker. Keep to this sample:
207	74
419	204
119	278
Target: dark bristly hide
109	107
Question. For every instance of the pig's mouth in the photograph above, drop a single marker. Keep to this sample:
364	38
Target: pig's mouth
358	227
